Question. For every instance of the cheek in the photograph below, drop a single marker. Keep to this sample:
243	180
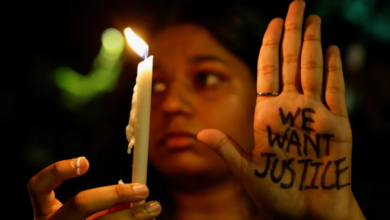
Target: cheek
155	126
232	114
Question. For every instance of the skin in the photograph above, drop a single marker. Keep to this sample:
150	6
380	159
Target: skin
204	84
300	74
301	78
99	203
201	92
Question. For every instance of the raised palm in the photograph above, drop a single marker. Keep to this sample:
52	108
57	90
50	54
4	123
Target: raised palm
300	166
302	157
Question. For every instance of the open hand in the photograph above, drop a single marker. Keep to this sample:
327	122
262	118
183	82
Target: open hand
300	167
104	203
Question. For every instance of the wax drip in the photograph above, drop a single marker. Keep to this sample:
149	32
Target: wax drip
132	129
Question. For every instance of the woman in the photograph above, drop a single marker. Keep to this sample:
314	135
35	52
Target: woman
292	162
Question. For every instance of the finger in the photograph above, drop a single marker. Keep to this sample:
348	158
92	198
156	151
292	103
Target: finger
311	59
229	150
291	46
108	211
268	63
88	202
335	87
41	185
145	211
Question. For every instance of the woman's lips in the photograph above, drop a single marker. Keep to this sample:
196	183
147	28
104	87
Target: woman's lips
177	141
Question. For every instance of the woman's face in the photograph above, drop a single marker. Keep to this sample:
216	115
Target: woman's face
197	84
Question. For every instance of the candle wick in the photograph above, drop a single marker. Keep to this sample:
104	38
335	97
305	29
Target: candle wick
146	52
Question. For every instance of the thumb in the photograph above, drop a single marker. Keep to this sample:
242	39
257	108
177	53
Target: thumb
227	148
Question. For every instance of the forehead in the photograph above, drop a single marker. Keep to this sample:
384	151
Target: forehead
184	40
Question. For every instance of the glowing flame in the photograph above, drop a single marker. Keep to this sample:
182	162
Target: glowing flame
139	46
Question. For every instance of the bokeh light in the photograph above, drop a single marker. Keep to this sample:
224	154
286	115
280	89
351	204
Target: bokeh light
112	40
79	89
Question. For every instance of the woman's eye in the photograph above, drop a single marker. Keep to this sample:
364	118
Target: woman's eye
209	79
158	86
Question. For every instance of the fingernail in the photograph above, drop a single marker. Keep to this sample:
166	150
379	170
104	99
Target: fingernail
77	163
140	190
153	207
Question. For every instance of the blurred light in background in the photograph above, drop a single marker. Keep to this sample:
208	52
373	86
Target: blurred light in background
351	98
355	57
79	89
372	20
354	62
362	12
112	41
381	25
359	11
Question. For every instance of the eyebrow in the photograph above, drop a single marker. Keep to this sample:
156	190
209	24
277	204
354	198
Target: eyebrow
195	60
204	58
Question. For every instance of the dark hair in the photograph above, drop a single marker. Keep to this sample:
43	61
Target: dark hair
239	28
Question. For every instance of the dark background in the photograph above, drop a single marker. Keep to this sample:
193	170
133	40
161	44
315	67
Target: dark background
39	128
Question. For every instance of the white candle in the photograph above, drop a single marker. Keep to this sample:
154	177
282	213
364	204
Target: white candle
137	132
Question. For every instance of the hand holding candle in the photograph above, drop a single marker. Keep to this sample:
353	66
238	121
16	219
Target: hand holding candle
137	132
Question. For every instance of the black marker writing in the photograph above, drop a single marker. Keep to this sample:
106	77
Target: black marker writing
338	172
294	140
287	186
305	165
276	138
327	136
277	179
313	181
265	172
315	146
307	119
289	116
324	177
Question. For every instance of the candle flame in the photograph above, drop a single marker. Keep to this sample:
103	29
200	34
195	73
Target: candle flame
139	46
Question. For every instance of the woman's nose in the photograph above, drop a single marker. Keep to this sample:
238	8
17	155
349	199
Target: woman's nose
178	100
